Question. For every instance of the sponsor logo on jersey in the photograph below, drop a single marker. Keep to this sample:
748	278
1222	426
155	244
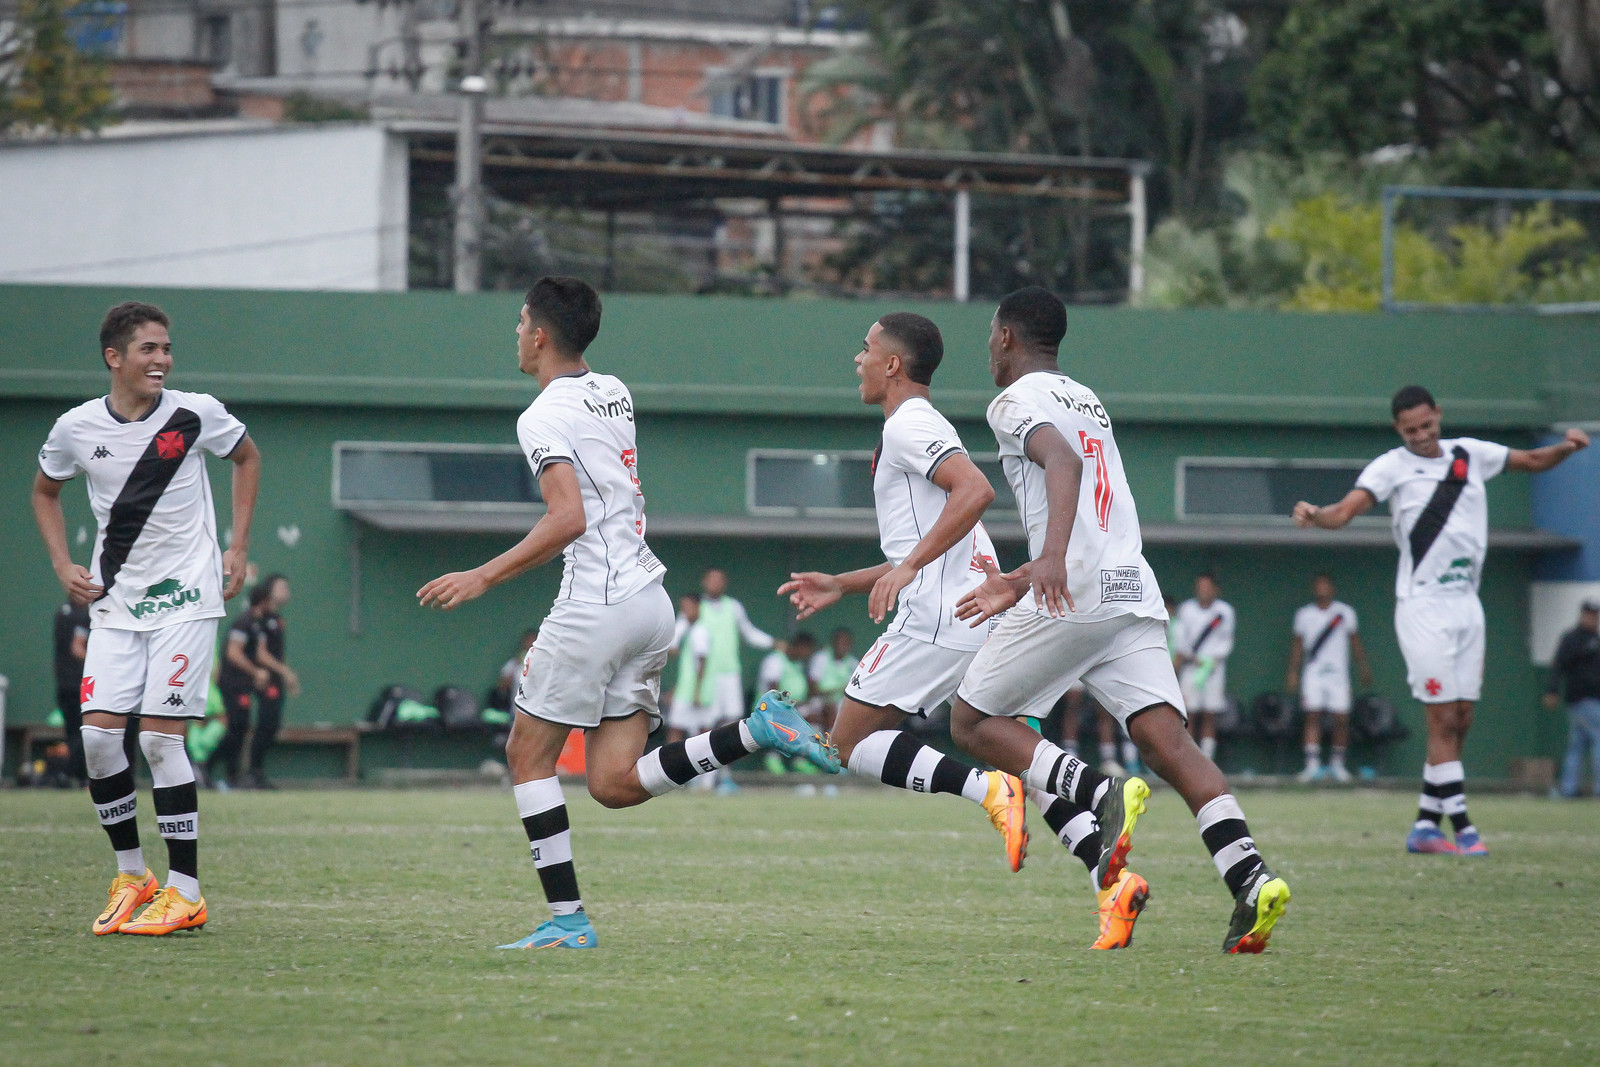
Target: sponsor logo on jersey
536	457
1083	407
621	408
173	700
935	448
1122	583
163	596
170	445
101	452
1459	570
1023	425
85	688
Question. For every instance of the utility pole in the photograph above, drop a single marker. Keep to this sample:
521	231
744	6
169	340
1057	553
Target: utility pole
469	152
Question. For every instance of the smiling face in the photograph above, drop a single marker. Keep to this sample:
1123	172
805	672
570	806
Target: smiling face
875	364
1418	427
141	371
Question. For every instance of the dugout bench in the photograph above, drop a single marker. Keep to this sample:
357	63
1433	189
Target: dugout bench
22	737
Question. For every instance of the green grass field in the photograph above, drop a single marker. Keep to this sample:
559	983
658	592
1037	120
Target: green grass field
876	927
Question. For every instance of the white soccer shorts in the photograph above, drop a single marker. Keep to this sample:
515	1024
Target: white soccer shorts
157	674
1031	659
1326	691
907	673
598	661
1212	694
1442	639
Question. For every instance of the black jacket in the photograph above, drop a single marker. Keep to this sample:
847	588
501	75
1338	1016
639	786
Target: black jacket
1578	662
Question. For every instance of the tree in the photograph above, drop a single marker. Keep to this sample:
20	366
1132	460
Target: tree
46	83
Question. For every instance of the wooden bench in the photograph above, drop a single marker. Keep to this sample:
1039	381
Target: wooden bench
26	735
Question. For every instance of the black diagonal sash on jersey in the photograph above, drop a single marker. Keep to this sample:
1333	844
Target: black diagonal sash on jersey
1216	621
140	493
1440	505
1322	638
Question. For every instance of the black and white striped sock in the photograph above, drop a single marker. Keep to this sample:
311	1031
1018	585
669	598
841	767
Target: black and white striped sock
544	817
1447	784
896	758
677	763
177	809
1053	771
116	802
1074	827
1223	829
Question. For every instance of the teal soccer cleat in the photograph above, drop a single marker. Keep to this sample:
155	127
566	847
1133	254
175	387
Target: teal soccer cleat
552	934
777	726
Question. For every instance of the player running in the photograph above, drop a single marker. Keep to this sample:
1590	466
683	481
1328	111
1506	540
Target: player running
1440	510
155	589
597	664
1326	636
1096	616
929	497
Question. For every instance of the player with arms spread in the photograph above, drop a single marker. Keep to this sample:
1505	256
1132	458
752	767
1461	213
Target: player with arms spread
929	497
1096	615
155	589
1440	508
597	664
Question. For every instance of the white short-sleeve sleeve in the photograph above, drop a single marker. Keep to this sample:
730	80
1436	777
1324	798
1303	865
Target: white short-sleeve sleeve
57	458
918	441
220	431
1014	417
544	437
1491	458
1350	613
1378	478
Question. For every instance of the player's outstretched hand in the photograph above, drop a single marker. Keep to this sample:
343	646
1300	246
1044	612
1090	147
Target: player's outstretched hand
234	567
996	593
1305	514
886	591
810	592
79	585
450	591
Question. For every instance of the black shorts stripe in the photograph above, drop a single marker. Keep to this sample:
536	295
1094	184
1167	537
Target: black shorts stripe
897	763
546	823
142	491
1219	835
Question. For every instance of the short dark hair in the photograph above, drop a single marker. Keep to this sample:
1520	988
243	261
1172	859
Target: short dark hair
1209	576
569	308
920	339
804	637
263	589
1036	314
1409	397
117	328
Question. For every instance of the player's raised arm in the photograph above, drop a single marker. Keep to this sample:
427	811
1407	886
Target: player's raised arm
76	580
1535	460
563	523
1332	516
969	494
811	591
1063	478
246	460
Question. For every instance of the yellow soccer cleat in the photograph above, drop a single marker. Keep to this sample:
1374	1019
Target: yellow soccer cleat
1007	811
128	891
168	912
1119	910
1256	911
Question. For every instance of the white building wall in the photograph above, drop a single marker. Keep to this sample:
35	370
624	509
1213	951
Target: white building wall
275	208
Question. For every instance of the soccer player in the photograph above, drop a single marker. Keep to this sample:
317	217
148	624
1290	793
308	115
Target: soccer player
1204	643
727	624
1095	615
1440	508
1325	639
930	497
597	664
155	589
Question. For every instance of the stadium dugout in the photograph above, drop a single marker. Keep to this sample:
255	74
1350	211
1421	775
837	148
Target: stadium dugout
386	425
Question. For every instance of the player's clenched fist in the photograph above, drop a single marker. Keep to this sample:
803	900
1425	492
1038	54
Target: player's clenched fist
79	585
1305	514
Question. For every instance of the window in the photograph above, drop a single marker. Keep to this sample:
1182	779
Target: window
788	481
420	476
1214	488
758	97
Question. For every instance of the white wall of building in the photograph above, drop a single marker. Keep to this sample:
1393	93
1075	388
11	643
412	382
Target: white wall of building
272	208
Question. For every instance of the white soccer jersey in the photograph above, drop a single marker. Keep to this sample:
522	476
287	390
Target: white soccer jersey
155	549
916	441
1441	513
586	420
1106	570
1204	633
1332	652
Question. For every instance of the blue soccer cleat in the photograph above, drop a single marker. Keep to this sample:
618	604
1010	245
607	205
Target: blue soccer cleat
1429	840
1468	843
776	725
551	934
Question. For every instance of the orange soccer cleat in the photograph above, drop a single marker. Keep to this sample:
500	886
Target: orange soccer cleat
128	891
1006	807
168	912
1119	910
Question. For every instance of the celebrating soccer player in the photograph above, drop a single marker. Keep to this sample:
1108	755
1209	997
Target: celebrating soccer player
155	588
1095	615
1440	511
929	498
597	664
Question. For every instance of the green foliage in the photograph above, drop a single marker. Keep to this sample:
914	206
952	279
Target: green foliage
303	107
46	84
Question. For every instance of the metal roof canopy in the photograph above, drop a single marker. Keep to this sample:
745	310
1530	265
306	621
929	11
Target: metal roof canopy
612	170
